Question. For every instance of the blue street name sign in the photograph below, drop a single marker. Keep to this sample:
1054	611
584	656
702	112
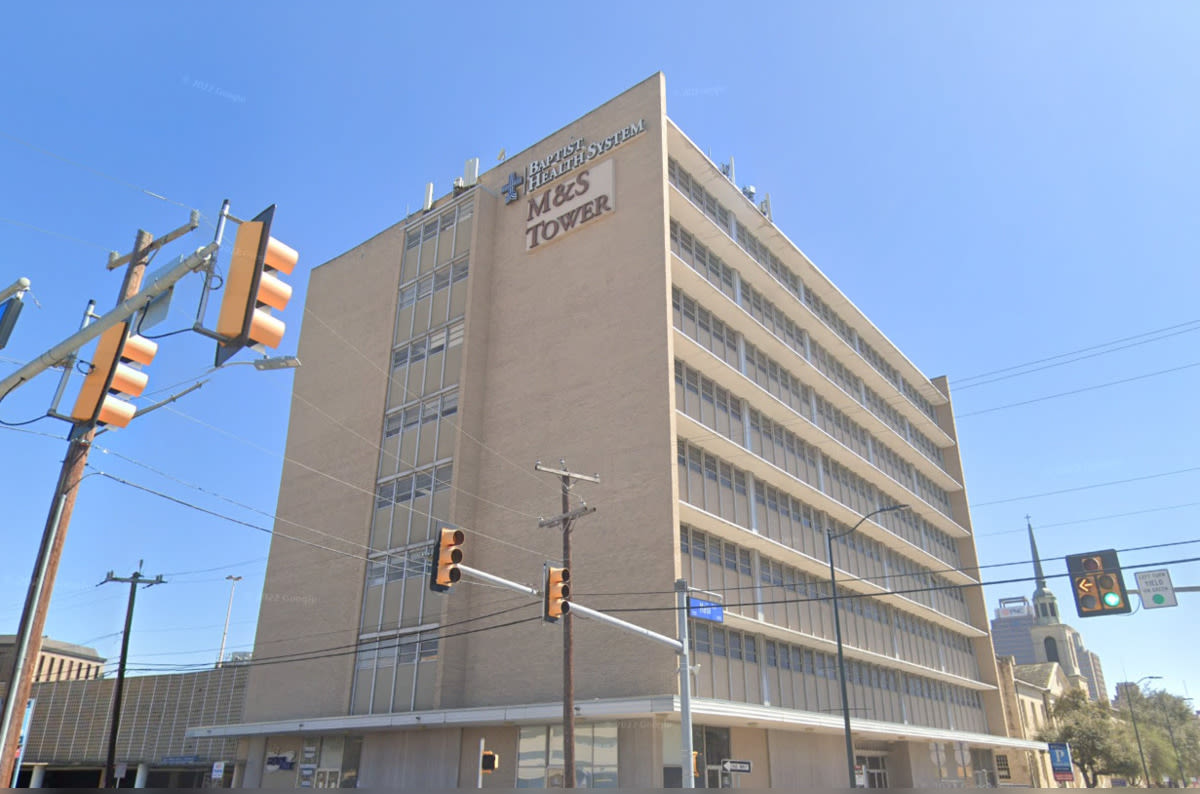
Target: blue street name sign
706	610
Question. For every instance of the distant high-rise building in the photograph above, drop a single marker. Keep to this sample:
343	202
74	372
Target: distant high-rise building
1012	630
1033	633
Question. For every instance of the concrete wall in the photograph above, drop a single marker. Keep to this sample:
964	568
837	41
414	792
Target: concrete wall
312	598
539	376
802	760
423	759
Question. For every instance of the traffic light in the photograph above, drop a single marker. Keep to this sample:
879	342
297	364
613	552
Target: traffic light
111	375
447	554
252	289
556	593
489	762
1097	584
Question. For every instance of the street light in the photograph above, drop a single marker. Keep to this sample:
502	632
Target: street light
837	629
228	611
274	362
1133	718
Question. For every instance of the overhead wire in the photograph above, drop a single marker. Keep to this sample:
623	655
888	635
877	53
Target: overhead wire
1094	387
1093	518
1088	487
333	478
101	174
1187	327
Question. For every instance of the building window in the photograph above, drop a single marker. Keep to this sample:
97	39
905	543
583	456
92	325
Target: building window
540	756
1002	770
1051	649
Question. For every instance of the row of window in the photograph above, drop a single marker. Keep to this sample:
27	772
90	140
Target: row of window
718	487
799	601
760	253
50	668
785	386
777	321
717	408
409	508
395	674
394	596
540	756
426	365
433	301
731	667
436	241
419	434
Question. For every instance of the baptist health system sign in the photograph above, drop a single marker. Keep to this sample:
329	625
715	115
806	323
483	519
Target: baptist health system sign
566	206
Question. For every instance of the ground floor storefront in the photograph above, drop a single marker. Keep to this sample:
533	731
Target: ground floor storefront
618	744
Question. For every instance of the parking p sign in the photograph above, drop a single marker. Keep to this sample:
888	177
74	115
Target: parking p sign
1156	589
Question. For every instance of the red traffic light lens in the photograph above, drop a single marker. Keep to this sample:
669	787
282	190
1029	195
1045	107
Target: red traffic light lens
1091	564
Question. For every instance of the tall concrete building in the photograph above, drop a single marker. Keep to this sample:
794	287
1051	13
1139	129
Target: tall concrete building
610	296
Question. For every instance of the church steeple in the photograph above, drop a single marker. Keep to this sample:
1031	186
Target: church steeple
1045	605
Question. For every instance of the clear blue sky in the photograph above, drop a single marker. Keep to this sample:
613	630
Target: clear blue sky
992	184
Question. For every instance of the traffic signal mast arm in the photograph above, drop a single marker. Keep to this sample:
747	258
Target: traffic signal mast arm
158	284
576	607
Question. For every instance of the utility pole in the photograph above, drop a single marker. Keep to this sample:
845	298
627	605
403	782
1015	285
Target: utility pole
566	519
109	779
37	600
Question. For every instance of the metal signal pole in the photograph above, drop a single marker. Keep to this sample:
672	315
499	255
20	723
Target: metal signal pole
54	535
566	519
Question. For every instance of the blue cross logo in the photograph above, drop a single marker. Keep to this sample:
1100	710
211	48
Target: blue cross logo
510	187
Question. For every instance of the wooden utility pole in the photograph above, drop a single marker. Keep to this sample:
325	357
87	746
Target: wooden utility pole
37	599
108	777
566	519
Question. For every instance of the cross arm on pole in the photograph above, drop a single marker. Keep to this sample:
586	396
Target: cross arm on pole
565	517
595	478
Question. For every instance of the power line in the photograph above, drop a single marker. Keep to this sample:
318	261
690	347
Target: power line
97	172
89	243
1190	325
318	472
906	591
352	648
1094	518
888	576
1085	487
1078	391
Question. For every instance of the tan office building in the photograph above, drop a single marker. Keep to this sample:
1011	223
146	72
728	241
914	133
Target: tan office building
610	297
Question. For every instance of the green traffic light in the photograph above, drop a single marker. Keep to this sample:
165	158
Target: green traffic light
1112	599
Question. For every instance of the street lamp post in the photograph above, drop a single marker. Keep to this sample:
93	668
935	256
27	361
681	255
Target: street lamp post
837	630
228	611
1133	718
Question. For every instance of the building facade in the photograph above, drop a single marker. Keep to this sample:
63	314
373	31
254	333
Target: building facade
1030	692
58	661
69	731
609	296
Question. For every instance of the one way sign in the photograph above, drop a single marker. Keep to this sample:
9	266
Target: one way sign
735	766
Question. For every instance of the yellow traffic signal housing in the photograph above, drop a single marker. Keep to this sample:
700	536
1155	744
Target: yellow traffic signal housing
555	594
447	554
112	375
1097	584
252	288
489	762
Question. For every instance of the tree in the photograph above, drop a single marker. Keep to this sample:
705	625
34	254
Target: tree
1101	744
1170	732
